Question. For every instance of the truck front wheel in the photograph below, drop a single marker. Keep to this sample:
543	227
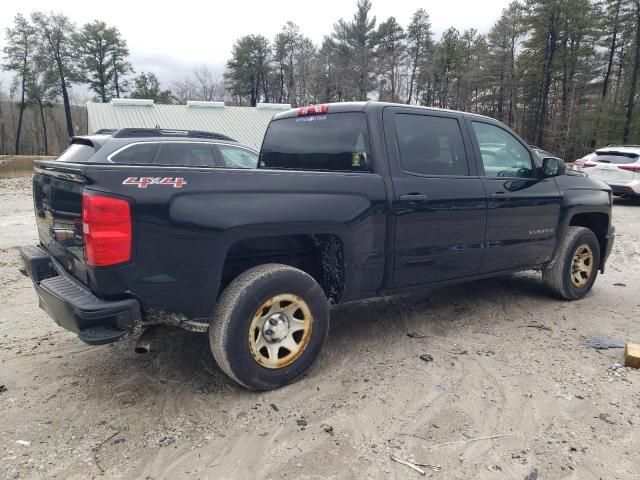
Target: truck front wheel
574	270
269	326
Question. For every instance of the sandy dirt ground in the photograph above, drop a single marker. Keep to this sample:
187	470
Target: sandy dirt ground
508	362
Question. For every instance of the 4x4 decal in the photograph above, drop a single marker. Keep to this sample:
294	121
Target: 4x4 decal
143	182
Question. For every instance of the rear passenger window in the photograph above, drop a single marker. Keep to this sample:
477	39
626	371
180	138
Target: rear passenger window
140	153
234	157
430	145
190	154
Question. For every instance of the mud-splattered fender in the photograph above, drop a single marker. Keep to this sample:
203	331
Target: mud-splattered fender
581	195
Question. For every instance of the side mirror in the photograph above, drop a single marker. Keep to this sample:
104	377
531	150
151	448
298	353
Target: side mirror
553	167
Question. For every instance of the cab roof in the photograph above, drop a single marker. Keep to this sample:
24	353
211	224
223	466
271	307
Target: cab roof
343	107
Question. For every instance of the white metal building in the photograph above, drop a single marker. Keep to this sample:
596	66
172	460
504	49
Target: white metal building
245	124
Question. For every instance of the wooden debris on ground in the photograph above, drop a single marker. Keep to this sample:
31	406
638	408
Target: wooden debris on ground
632	355
471	440
409	464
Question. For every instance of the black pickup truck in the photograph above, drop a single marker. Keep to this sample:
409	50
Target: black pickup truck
348	201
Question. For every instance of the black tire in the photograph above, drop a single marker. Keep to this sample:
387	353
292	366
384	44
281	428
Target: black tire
558	274
236	310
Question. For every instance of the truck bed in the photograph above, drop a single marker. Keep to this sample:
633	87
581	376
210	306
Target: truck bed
187	222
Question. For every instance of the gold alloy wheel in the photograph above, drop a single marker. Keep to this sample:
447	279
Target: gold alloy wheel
280	331
582	266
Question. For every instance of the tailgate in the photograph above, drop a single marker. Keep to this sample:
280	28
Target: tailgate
57	197
611	173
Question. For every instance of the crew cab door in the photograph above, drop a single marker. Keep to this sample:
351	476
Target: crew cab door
439	203
523	207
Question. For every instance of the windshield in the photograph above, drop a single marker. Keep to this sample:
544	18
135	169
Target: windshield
337	141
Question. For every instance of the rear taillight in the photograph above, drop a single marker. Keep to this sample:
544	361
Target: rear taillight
106	224
588	164
631	168
312	110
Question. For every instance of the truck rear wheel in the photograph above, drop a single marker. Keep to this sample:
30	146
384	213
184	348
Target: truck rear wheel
575	268
269	326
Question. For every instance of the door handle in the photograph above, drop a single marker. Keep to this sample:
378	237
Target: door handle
413	198
499	195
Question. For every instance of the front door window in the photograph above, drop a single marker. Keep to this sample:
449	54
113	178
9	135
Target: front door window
502	154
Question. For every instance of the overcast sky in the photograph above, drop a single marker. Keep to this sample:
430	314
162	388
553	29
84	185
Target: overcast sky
170	41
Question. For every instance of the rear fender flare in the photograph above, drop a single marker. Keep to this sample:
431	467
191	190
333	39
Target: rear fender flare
248	232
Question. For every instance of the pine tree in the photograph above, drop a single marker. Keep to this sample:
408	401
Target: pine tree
42	90
103	59
328	71
21	45
448	66
357	39
543	19
248	70
500	64
635	67
147	85
390	55
55	39
419	50
285	48
305	72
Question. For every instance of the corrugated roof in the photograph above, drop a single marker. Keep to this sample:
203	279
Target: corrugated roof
245	124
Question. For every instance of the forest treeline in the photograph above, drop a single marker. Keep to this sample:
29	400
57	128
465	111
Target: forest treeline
562	73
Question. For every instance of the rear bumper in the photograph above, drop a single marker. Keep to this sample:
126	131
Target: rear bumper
625	189
72	305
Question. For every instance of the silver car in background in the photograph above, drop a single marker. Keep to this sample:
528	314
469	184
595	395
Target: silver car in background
617	165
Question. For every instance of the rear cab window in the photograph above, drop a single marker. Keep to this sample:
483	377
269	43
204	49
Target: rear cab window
76	153
326	142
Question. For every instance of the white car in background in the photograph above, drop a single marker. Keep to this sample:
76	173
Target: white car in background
617	165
